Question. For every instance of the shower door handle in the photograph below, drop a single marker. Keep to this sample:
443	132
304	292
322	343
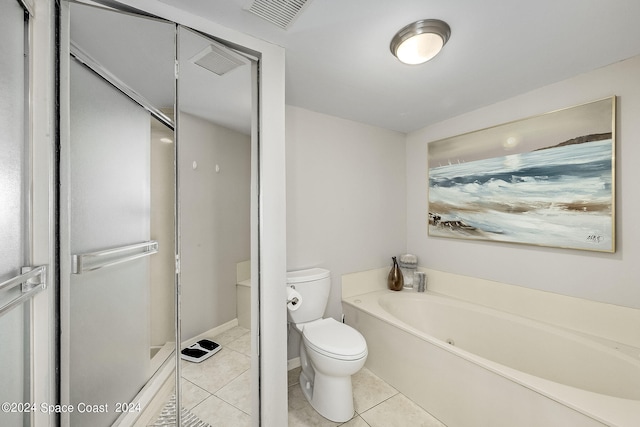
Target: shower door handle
96	260
32	280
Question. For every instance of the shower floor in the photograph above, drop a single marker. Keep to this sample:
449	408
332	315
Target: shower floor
216	391
168	416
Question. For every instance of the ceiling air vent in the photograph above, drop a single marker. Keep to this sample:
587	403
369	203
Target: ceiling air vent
217	60
279	12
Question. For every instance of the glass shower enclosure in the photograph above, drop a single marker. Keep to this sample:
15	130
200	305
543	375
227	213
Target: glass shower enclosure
137	86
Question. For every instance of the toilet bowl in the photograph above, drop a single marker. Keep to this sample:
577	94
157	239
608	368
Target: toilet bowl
330	351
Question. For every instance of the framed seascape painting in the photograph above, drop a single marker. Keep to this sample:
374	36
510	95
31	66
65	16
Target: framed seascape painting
547	180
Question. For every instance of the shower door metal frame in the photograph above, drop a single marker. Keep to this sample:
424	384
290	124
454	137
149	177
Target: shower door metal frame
32	280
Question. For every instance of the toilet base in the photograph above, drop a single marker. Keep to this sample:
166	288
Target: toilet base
331	397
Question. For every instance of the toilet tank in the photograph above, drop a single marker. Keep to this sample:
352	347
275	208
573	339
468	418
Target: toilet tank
313	285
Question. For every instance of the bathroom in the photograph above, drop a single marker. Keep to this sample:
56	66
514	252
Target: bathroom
380	211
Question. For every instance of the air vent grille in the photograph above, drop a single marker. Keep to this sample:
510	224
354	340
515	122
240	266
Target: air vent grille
217	60
279	12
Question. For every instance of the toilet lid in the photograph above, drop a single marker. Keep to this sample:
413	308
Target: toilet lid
335	339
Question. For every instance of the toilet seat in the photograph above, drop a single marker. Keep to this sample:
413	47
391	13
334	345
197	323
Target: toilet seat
334	339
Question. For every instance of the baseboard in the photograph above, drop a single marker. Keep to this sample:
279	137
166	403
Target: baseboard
293	363
163	353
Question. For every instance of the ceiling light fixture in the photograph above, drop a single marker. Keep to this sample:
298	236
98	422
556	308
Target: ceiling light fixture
420	41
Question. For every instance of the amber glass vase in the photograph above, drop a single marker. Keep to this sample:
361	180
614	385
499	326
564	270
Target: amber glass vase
395	280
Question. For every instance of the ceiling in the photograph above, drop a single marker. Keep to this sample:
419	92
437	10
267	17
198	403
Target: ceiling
338	60
140	52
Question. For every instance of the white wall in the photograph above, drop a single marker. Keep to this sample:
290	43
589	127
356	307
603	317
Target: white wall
345	196
610	278
162	286
215	224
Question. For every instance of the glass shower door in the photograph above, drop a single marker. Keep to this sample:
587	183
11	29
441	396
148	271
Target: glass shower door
120	76
109	236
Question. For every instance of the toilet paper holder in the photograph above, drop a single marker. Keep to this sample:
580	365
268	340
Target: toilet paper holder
293	300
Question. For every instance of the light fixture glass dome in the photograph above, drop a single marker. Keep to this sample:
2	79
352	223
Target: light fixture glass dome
420	41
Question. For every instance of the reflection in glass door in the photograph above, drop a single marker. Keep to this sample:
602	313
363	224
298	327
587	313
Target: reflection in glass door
214	127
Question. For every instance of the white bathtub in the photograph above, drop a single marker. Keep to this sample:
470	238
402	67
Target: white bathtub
471	366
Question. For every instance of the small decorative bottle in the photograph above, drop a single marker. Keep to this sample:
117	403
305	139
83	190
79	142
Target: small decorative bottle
395	281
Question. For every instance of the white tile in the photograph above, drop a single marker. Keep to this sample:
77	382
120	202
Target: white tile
192	394
227	375
241	344
238	392
217	371
293	376
302	414
218	413
369	390
356	421
232	334
296	399
399	411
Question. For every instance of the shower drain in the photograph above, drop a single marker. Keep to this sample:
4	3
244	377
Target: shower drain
168	417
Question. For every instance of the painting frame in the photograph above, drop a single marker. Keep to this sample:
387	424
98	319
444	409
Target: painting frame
545	180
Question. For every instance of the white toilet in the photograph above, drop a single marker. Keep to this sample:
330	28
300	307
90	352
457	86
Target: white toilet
330	351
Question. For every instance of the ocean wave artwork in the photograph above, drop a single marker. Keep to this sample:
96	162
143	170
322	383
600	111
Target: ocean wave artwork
552	193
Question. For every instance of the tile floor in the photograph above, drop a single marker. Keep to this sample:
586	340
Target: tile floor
218	392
